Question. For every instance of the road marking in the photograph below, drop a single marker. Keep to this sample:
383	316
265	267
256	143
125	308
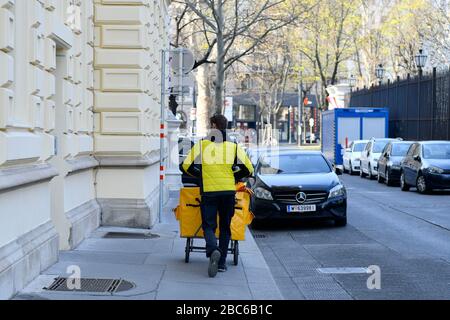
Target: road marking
344	270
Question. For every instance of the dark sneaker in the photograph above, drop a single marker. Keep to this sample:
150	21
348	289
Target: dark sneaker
223	269
214	263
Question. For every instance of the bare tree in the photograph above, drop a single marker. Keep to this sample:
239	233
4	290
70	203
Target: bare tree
438	37
272	72
233	29
327	41
182	20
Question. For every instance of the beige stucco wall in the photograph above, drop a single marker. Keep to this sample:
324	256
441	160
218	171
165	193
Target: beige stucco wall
79	86
127	60
18	217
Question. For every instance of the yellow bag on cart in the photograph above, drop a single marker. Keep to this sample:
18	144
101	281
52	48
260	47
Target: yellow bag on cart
188	213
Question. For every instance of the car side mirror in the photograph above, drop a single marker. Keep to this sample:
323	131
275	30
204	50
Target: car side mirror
417	158
338	171
251	180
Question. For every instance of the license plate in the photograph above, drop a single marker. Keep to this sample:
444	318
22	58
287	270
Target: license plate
303	208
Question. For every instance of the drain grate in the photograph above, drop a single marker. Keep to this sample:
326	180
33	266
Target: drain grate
92	285
260	236
130	235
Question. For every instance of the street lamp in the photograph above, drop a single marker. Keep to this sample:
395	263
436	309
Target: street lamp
379	72
421	60
352	82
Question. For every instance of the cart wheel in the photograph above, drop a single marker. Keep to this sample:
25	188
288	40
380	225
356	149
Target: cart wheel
236	253
187	250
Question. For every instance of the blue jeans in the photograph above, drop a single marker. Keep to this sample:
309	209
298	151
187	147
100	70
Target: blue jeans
223	205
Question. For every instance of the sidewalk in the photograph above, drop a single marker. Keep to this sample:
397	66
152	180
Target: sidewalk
157	268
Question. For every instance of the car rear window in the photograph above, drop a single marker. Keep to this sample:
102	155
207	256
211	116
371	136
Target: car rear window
294	164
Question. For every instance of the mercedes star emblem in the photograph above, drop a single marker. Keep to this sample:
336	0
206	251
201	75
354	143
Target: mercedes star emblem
301	197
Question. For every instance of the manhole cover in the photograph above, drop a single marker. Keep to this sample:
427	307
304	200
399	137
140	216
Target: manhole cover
91	285
130	235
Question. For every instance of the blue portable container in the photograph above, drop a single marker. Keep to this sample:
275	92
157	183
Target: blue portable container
340	127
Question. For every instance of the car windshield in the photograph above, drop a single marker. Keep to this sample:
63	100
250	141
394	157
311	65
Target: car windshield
436	151
359	147
294	164
379	146
400	149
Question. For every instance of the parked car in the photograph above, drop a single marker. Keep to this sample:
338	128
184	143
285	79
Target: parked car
389	162
370	156
352	156
297	185
426	166
254	153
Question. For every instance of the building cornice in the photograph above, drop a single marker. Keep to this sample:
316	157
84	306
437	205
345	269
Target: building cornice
11	178
82	163
117	161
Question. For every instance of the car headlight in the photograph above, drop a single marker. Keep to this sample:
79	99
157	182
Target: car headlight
433	169
262	193
338	191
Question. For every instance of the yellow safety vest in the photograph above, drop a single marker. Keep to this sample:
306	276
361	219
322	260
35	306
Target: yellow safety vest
217	161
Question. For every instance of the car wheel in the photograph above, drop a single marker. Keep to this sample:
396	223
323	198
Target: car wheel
387	179
403	185
421	185
340	222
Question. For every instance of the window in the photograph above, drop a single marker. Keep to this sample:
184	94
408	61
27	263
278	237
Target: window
294	164
379	146
246	113
359	147
400	149
437	151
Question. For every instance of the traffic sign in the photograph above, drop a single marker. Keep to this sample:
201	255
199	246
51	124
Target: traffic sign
182	59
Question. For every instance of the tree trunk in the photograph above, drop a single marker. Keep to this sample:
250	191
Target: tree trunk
203	82
204	98
220	65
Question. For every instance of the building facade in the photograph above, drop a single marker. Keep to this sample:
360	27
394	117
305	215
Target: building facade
80	100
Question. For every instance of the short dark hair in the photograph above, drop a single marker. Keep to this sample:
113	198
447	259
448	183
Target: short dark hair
220	121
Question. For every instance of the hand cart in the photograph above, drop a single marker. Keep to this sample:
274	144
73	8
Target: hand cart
189	215
190	247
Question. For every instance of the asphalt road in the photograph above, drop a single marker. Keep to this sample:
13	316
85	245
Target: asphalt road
405	234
